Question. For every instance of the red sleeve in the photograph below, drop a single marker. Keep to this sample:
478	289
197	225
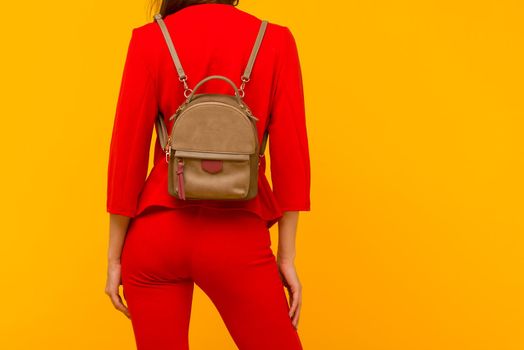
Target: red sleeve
288	141
136	111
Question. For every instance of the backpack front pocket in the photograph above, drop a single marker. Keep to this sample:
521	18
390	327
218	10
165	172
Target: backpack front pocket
209	175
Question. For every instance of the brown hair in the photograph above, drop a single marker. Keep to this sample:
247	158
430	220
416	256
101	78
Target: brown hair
167	7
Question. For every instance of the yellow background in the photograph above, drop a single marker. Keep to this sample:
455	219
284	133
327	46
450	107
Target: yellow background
415	120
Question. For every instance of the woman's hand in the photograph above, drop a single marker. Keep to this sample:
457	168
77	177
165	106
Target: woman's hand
113	282
118	225
289	277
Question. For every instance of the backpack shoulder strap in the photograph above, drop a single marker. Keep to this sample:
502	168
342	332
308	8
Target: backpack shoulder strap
172	50
254	51
178	64
247	74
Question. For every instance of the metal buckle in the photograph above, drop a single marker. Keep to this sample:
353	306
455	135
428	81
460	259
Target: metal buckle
242	86
187	90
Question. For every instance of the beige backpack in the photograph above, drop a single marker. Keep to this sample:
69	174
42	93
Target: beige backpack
213	149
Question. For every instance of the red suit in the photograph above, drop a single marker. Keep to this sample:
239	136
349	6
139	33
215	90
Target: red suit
176	243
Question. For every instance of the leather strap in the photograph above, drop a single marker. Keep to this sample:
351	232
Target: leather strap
211	77
172	50
264	139
254	51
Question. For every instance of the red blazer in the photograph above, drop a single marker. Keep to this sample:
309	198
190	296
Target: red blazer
209	39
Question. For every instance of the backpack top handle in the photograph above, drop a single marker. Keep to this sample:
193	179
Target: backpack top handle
221	77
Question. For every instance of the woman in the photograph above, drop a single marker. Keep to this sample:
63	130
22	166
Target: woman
159	245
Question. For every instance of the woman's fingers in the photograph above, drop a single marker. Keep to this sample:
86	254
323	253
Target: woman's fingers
296	301
292	284
118	304
113	282
296	316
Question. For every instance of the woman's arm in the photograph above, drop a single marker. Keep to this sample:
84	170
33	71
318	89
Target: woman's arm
134	120
118	225
290	165
288	138
133	124
287	228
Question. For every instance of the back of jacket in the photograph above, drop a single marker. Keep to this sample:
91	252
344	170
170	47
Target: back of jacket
210	39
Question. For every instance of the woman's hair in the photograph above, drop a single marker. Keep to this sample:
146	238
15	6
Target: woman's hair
167	7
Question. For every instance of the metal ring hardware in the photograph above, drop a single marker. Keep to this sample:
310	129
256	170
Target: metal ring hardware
242	86
187	90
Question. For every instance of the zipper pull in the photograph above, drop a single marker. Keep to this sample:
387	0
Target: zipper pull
168	149
180	174
248	112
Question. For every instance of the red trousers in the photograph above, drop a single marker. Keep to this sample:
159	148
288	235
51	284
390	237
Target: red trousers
227	253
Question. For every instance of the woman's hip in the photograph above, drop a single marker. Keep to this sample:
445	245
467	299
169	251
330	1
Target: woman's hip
168	244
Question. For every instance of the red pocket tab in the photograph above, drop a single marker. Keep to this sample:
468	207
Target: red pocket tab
212	166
